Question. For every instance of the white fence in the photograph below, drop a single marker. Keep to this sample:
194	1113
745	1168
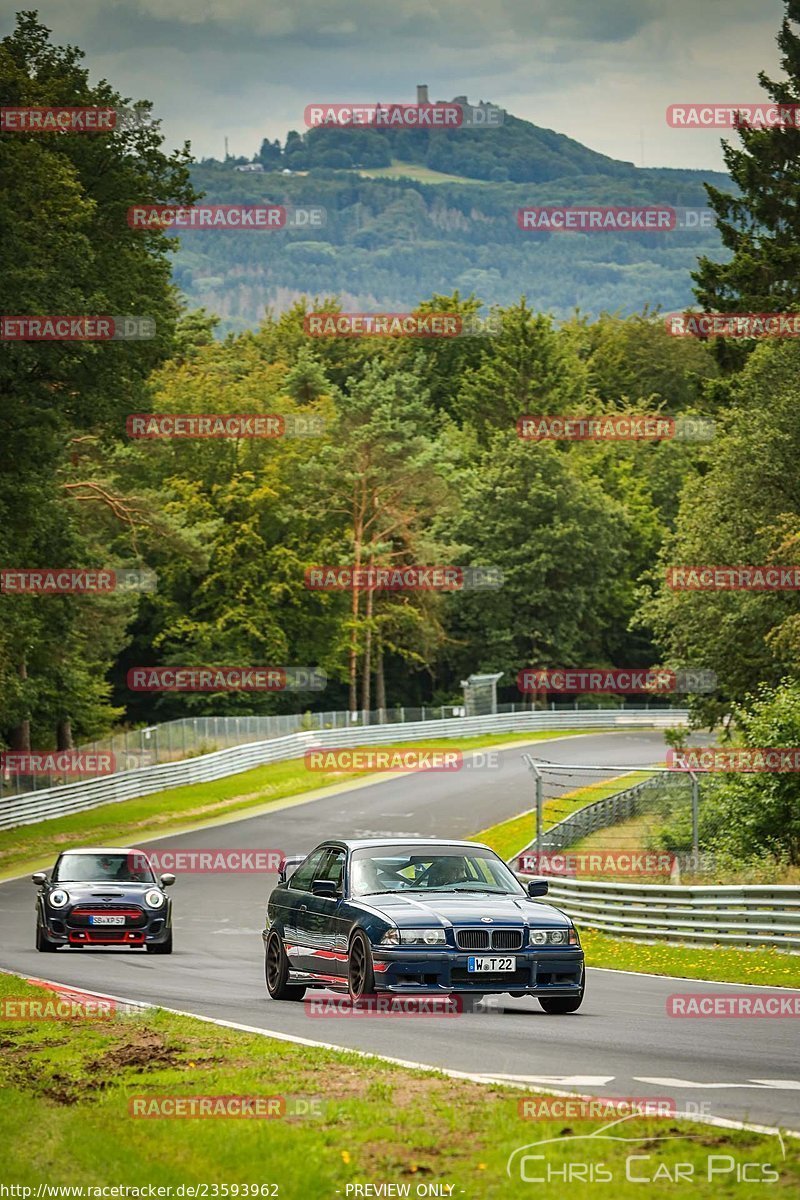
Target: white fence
749	915
32	807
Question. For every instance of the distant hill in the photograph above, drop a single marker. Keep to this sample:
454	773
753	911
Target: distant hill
413	212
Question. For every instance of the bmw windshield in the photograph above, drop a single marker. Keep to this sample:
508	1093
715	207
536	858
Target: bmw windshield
415	870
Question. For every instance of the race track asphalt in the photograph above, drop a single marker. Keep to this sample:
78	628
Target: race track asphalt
620	1043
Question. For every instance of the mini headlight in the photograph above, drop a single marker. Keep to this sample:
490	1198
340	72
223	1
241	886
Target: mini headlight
557	936
153	898
58	898
538	937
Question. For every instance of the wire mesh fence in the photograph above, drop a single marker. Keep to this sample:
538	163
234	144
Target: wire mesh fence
648	824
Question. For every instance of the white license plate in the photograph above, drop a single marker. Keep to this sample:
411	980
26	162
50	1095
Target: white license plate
481	963
107	920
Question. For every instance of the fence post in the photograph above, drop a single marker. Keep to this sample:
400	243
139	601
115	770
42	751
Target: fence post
695	819
538	785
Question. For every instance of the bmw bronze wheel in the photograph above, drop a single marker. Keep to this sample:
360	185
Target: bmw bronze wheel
276	972
360	972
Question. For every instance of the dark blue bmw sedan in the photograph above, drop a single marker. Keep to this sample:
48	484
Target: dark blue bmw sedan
423	916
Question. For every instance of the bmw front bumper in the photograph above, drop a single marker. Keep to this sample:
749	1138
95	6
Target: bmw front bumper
553	972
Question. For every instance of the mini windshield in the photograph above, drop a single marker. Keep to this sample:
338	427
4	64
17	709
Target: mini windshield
103	868
440	870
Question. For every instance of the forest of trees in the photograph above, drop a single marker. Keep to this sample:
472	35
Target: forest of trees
388	243
417	461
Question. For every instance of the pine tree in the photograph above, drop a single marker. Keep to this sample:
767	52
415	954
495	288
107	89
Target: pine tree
761	225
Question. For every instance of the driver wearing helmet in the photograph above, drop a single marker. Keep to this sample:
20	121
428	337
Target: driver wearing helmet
447	871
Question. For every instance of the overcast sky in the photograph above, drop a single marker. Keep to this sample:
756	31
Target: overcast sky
602	71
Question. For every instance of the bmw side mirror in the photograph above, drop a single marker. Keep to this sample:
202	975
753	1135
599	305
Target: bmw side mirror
538	887
323	887
39	878
168	879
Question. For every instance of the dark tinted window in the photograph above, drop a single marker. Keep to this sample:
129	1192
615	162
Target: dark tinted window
301	880
103	868
333	868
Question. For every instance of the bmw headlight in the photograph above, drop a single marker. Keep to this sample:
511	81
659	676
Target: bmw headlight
411	937
58	898
154	898
554	937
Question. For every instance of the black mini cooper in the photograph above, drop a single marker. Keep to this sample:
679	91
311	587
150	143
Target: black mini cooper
103	897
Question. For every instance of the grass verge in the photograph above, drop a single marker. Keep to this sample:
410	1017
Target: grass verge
728	964
29	847
640	834
67	1086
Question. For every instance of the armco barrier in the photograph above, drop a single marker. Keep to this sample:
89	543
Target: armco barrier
31	807
748	915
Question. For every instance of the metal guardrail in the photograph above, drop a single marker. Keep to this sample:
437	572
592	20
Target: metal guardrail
738	915
747	915
32	807
187	737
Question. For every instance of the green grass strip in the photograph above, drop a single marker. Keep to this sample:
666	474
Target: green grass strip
66	1088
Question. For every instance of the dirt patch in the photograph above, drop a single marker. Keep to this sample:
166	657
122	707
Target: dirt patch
389	1159
145	1048
28	1076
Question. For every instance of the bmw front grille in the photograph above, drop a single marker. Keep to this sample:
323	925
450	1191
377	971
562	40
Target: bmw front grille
489	939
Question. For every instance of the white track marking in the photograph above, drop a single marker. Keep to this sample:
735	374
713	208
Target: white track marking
787	1085
557	1080
760	987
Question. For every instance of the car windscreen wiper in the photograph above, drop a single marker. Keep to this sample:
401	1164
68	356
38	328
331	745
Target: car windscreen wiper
456	887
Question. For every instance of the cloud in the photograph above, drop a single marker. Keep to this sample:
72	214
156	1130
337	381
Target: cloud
602	71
